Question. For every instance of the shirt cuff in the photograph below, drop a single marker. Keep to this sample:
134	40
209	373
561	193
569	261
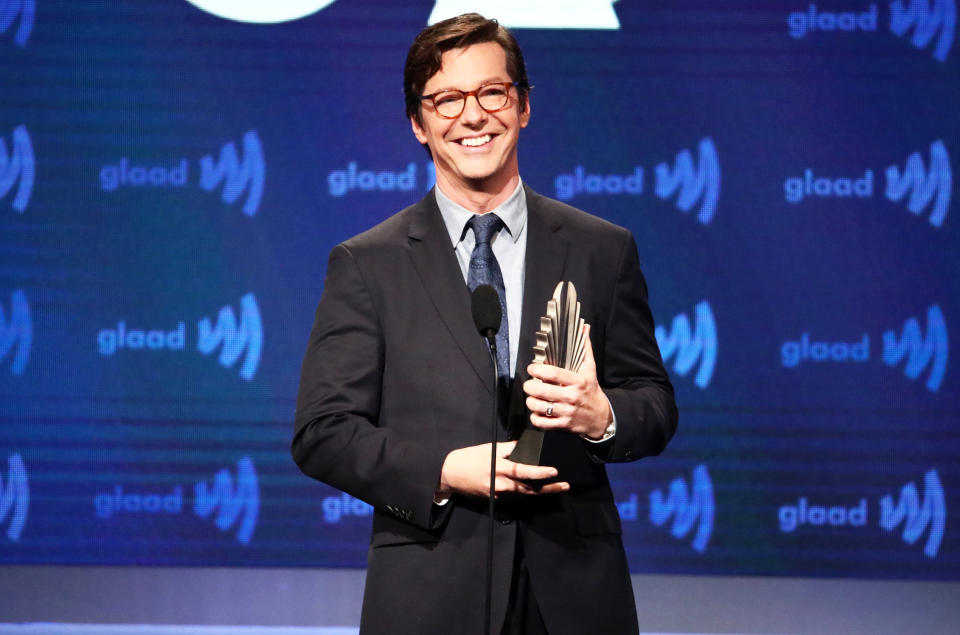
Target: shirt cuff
608	433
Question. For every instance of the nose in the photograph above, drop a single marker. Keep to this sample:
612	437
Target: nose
473	114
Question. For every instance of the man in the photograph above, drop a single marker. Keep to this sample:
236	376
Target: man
397	387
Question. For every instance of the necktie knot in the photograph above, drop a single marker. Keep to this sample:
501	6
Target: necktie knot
484	227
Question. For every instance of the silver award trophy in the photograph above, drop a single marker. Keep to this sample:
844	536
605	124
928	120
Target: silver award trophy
560	343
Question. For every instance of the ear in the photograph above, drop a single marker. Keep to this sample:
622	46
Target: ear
525	113
418	131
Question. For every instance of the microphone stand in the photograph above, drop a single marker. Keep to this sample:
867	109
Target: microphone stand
488	606
487	316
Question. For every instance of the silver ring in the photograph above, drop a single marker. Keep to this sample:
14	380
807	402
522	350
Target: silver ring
549	412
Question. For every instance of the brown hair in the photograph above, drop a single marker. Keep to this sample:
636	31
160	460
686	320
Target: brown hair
423	60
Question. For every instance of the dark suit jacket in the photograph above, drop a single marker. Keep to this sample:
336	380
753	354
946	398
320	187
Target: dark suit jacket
395	377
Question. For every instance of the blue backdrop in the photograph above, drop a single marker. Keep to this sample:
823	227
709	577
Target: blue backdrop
171	183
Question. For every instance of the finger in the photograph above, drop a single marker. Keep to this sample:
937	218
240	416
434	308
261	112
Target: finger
519	486
548	392
549	423
552	374
521	471
553	488
541	407
533	489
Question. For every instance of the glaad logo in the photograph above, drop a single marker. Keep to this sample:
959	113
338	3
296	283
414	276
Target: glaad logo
238	504
801	23
17	164
340	182
234	341
17	332
249	336
796	188
9	9
793	353
15	497
691	344
694	184
336	508
569	185
120	501
228	498
535	14
235	174
924	186
920	351
803	513
917	517
685	508
925	22
353	179
261	12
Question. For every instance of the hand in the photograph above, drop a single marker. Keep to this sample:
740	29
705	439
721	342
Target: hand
578	404
467	471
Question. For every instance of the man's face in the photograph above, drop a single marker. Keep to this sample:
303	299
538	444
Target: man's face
488	159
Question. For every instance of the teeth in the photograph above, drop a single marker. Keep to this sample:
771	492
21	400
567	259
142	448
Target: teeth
476	141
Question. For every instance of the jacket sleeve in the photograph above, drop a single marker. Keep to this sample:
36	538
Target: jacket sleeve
338	438
632	373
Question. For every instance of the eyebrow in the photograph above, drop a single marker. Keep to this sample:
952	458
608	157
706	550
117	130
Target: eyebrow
490	80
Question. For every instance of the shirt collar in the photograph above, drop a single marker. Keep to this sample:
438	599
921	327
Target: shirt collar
513	213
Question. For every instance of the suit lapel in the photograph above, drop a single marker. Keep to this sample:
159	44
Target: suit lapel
436	264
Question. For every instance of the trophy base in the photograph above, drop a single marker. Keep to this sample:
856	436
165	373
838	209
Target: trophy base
558	449
529	447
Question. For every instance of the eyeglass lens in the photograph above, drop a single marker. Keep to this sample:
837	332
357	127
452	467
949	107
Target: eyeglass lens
451	103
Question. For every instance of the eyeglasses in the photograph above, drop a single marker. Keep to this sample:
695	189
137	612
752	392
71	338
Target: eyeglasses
449	104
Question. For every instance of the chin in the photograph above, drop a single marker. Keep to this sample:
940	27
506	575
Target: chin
479	172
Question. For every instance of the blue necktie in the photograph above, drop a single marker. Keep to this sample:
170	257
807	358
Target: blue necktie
484	269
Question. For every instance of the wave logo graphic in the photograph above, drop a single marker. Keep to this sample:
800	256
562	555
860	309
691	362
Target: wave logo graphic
15	497
15	165
534	14
243	340
926	21
261	12
16	333
925	186
688	509
9	10
237	176
917	517
236	502
688	344
920	351
695	183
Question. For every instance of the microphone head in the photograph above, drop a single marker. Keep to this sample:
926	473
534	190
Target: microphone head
486	310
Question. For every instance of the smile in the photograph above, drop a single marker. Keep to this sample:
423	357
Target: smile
474	142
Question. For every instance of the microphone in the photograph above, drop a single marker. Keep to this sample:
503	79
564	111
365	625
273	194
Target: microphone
487	312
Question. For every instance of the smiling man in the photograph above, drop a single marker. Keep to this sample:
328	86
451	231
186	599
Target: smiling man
396	389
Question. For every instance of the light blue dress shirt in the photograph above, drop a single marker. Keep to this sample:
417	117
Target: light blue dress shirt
509	246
